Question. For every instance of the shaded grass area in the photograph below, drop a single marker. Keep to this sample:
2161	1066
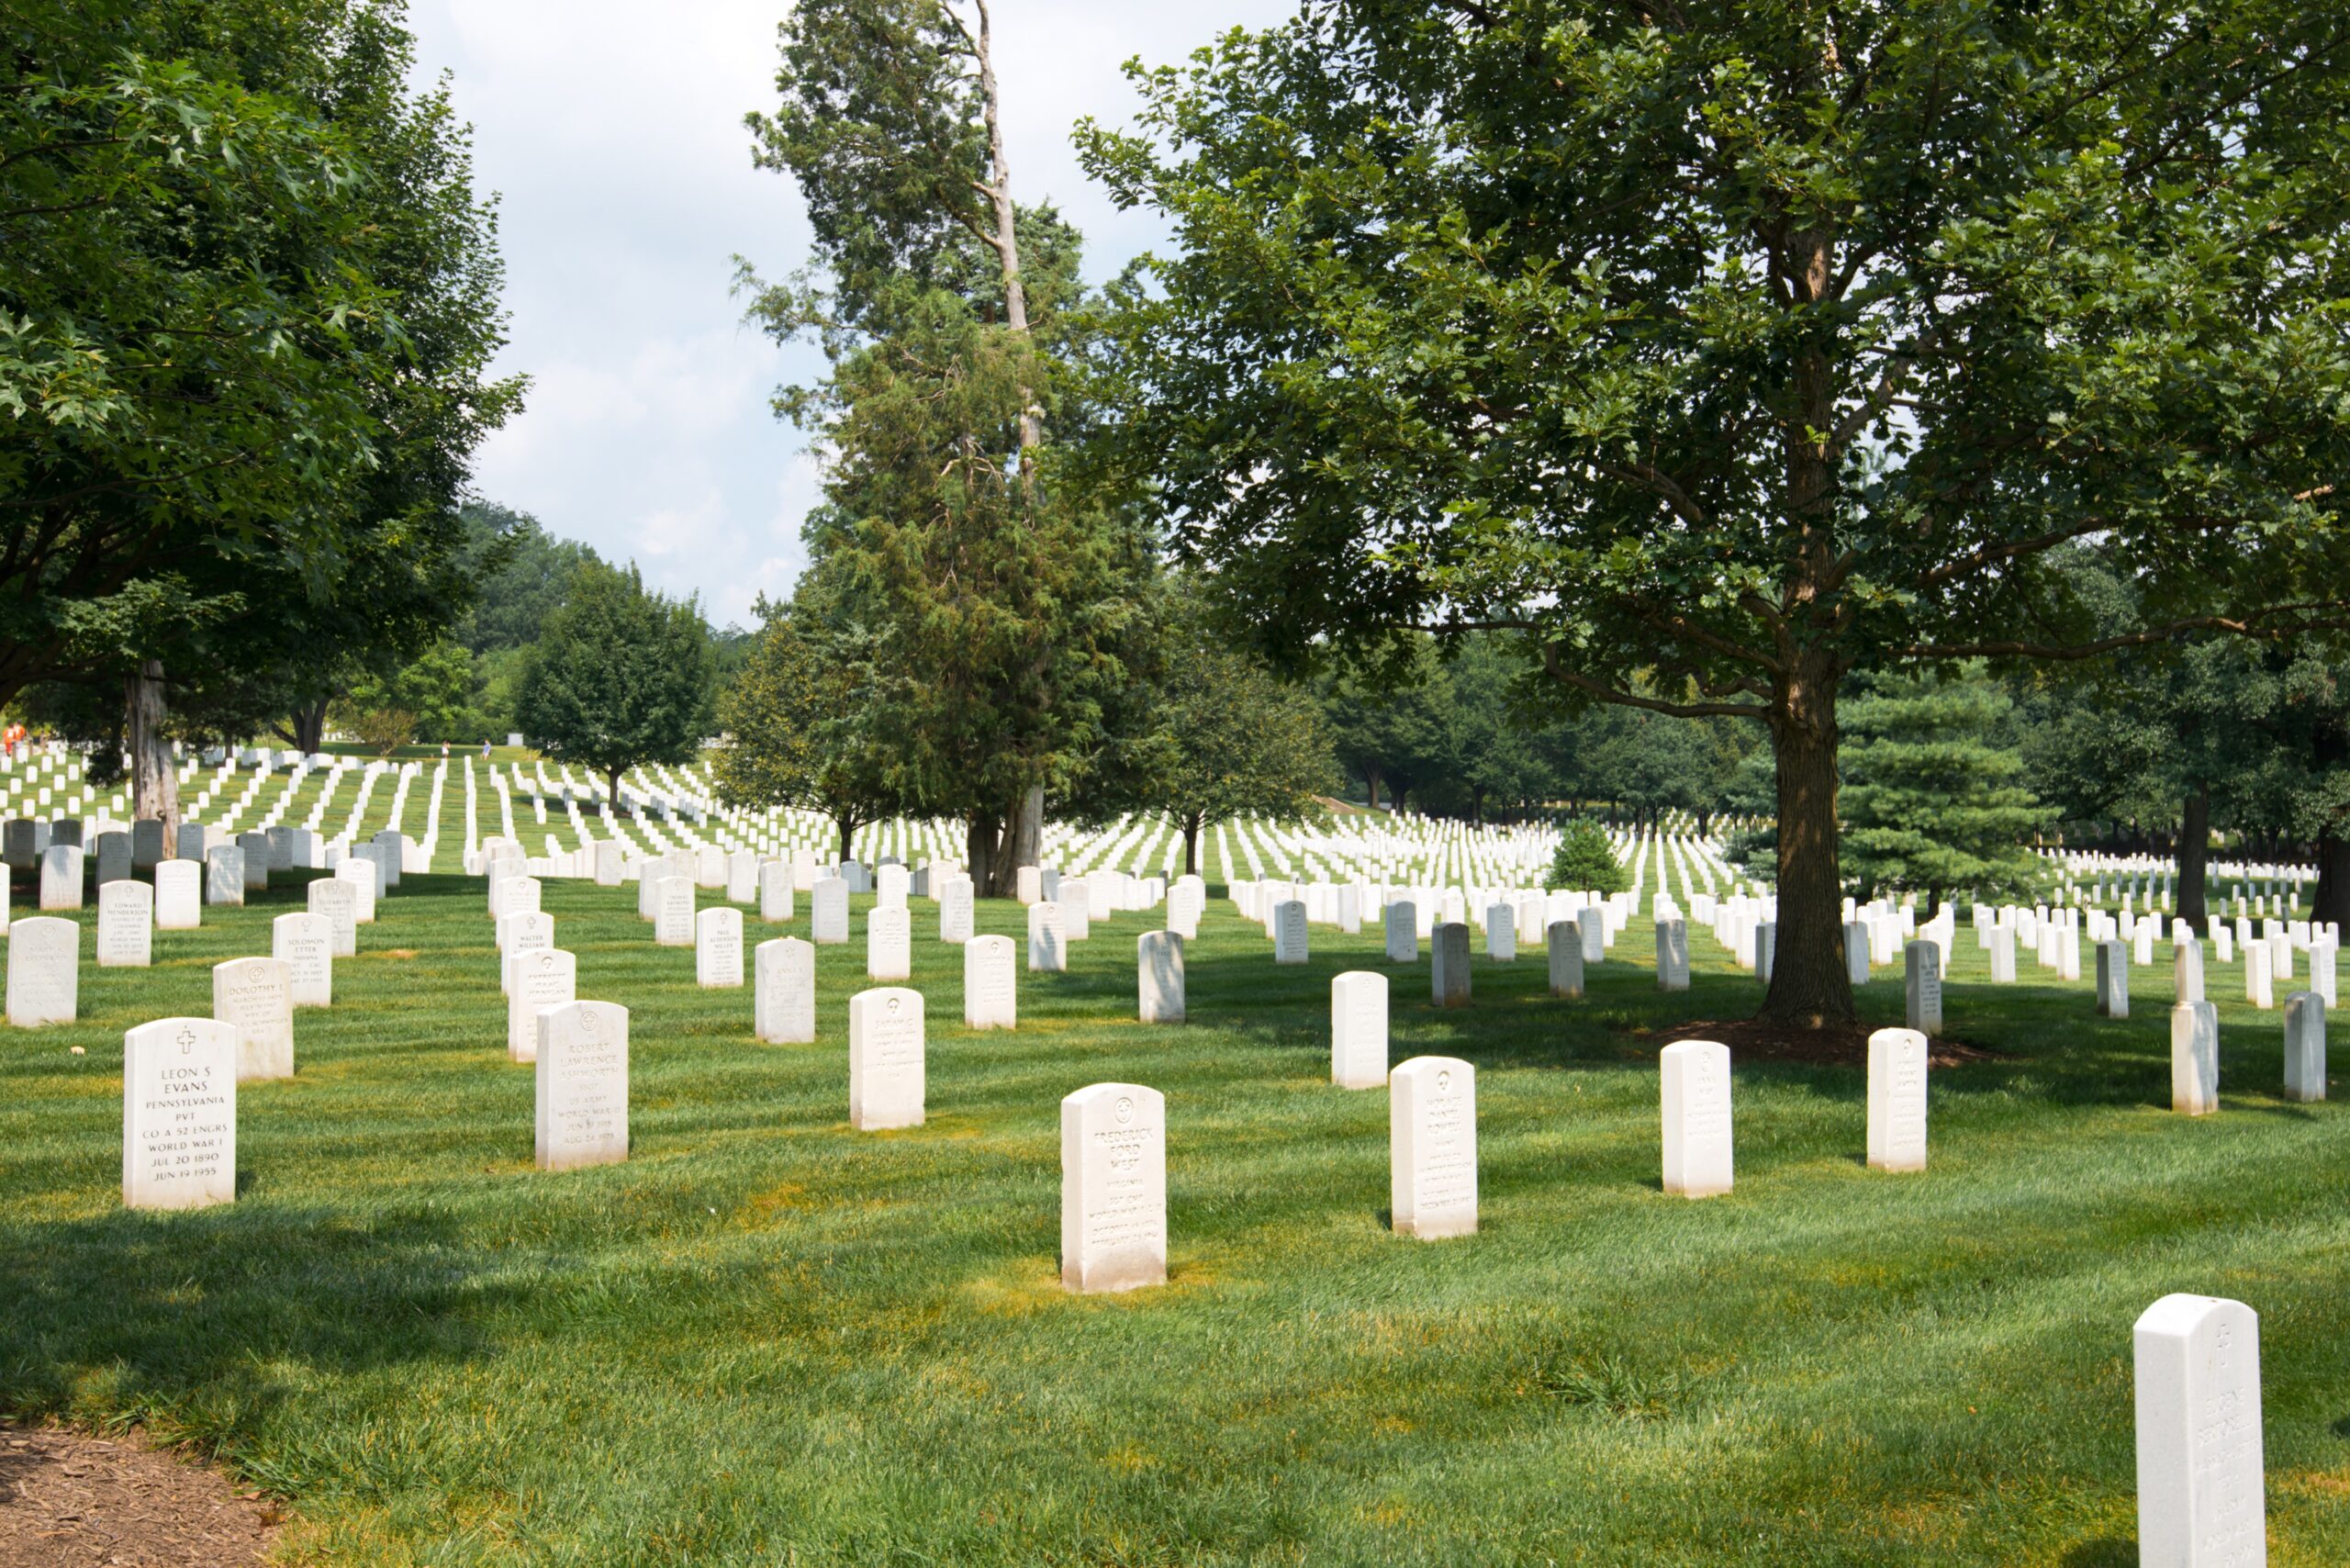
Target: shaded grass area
768	1339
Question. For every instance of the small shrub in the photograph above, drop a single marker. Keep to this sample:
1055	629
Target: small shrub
1585	860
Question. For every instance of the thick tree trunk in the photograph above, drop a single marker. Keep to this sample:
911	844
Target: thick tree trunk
1191	846
846	823
1810	986
979	837
612	790
154	783
2194	851
310	727
1021	843
1006	239
1371	787
2332	901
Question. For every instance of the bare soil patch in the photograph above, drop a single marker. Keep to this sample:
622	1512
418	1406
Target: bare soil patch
68	1500
1833	1044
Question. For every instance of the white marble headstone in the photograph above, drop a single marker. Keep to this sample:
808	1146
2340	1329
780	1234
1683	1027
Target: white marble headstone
255	847
1896	1131
2305	1047
1359	1029
1501	932
885	1059
1403	933
1159	977
179	1115
1185	904
538	979
2201	1476
1449	970
1289	932
523	934
60	877
2195	1058
1047	950
337	903
1921	986
1074	900
1432	1148
775	892
991	983
179	895
304	943
888	941
718	949
955	906
255	996
673	913
361	877
1114	1187
1696	1082
1565	940
784	1005
126	924
582	1070
44	964
520	895
2114	979
1673	955
829	906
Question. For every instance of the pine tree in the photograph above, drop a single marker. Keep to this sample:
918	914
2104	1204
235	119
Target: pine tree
1001	606
1586	862
1933	797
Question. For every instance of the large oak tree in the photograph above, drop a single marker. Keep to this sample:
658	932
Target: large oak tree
1718	349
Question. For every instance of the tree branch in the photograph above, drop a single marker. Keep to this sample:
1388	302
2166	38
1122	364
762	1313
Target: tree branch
2249	626
1607	693
1657	482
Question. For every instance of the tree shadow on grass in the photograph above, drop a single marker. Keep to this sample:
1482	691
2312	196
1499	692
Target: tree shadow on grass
1513	1022
166	1317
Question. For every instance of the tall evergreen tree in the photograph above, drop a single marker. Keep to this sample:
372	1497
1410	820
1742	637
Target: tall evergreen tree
1933	795
1002	606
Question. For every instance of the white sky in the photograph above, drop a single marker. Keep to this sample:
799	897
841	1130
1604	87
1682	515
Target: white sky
613	131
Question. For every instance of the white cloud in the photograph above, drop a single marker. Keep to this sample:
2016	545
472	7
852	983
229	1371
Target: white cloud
613	130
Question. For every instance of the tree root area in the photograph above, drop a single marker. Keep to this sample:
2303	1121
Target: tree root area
1830	1045
69	1500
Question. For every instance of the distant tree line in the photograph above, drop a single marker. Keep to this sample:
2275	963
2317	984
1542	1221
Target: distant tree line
1463	731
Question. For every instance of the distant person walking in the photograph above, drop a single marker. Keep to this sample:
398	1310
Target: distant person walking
485	751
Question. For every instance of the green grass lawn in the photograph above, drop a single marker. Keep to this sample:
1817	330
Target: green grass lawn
769	1339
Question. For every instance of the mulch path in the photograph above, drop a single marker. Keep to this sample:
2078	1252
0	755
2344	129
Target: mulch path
68	1500
1832	1045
